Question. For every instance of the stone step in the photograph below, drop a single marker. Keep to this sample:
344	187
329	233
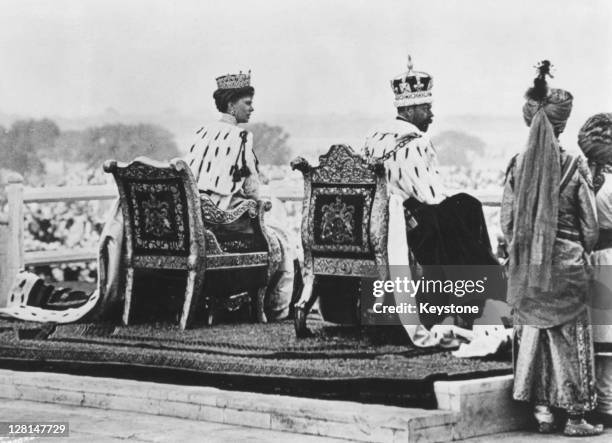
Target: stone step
467	408
328	418
483	406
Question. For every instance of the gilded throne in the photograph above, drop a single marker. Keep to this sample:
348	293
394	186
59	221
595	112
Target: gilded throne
170	226
344	234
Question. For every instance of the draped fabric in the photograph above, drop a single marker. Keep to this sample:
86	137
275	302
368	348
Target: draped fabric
451	241
537	182
537	179
575	232
411	166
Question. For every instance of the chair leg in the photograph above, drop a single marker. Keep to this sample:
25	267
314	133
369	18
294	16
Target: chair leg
210	318
129	285
195	282
259	304
303	306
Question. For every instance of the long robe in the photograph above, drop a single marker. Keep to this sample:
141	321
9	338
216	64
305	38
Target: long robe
601	259
220	151
411	166
553	337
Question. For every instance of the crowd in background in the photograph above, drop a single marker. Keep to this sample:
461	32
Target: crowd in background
51	226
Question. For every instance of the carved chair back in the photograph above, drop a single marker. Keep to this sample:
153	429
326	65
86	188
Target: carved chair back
163	226
345	215
344	233
161	210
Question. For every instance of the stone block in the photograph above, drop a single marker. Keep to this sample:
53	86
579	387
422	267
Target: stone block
203	397
301	425
210	413
246	418
484	406
179	409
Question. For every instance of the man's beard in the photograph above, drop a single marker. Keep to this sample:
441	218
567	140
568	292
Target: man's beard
424	126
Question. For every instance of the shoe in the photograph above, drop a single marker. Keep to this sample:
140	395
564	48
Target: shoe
601	417
581	428
546	427
545	419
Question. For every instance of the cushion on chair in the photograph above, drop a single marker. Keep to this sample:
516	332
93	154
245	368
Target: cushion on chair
239	236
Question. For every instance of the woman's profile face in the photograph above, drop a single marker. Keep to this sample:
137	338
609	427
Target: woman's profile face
242	108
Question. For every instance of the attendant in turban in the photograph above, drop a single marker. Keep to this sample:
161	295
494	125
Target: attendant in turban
549	218
226	169
595	140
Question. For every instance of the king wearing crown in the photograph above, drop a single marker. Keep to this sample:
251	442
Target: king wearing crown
424	224
409	157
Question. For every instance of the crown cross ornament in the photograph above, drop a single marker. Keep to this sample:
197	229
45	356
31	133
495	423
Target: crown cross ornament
410	64
418	86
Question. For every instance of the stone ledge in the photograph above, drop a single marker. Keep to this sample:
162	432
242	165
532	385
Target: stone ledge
467	408
328	418
484	406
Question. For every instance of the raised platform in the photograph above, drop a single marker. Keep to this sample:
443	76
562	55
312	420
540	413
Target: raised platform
468	408
350	383
338	363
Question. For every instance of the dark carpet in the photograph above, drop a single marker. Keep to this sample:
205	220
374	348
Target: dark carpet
363	364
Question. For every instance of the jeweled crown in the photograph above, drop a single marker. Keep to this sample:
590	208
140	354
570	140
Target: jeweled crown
412	87
234	81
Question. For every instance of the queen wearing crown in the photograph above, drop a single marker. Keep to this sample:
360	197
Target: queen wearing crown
226	170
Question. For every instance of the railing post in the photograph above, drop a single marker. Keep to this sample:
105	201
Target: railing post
12	236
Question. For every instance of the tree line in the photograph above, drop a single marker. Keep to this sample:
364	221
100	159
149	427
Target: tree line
27	144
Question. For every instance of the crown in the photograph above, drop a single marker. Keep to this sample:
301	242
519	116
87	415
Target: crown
234	81
412	87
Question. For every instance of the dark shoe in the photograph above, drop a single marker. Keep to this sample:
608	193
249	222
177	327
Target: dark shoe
581	428
546	427
601	417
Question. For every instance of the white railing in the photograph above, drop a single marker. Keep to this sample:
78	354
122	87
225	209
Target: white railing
12	254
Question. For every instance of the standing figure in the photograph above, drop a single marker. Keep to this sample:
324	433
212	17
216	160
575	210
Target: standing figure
226	170
595	140
549	218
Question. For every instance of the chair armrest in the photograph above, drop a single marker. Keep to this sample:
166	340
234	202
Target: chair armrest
212	214
302	165
378	167
264	205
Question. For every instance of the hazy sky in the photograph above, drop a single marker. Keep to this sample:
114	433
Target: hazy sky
74	58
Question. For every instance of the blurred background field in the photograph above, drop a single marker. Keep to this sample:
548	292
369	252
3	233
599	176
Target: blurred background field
70	153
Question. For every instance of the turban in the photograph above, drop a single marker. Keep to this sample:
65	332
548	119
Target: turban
557	107
595	139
